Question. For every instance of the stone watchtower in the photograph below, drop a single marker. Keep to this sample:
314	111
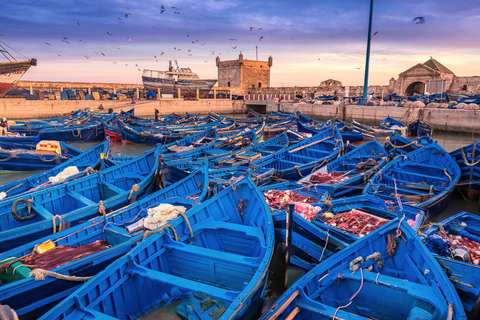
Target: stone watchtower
244	74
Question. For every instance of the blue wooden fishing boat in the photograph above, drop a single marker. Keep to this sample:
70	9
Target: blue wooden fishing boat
41	213
253	152
352	218
230	146
397	145
455	243
88	132
390	123
27	157
348	174
420	128
371	132
388	274
224	177
85	162
468	159
425	179
130	134
347	134
20	139
88	248
304	157
217	269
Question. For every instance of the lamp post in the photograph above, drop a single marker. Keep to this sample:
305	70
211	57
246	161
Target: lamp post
367	63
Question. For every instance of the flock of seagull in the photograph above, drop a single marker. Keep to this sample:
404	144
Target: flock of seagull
176	11
163	9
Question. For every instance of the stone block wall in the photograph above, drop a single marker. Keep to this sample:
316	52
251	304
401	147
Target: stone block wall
255	74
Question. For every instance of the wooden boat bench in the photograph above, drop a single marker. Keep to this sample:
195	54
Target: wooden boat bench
177	281
439	179
254	233
198	253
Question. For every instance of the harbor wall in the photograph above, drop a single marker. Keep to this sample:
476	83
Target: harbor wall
17	109
451	120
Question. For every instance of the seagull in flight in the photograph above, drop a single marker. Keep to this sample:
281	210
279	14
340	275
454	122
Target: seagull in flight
260	38
162	9
127	14
251	28
421	20
48	44
109	33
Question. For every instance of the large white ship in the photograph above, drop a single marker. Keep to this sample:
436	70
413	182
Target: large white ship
173	79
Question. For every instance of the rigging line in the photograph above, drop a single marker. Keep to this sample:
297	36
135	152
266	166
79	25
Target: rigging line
4	51
14	50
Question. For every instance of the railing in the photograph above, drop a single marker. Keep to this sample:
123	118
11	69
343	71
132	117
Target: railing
267	97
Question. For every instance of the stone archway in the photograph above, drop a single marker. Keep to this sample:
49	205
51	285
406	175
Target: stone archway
415	88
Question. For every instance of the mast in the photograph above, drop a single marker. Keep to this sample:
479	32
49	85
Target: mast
367	63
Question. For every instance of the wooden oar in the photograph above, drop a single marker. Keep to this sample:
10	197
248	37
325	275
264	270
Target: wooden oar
310	144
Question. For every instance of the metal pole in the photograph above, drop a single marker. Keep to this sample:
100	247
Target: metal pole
256	52
367	63
288	238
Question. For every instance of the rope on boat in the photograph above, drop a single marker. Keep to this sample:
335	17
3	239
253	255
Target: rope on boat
135	188
466	161
188	224
355	264
9	157
40	274
101	208
45	160
61	225
324	247
375	256
406	145
446	173
78	134
160	230
298	171
352	297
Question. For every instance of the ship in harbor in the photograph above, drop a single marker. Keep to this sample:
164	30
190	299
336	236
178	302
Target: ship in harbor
173	79
12	71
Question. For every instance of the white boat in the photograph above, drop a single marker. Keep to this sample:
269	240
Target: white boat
173	79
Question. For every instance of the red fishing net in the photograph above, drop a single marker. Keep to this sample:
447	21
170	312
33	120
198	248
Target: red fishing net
356	222
328	178
280	200
61	255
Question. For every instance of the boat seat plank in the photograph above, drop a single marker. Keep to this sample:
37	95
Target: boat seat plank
442	179
188	284
112	187
211	254
81	198
401	190
248	230
426	186
422	165
47	215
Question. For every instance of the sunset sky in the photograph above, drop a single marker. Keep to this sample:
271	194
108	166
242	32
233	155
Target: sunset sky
310	41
